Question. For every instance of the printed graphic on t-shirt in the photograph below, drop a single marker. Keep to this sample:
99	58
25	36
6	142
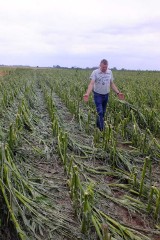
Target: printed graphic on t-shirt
102	80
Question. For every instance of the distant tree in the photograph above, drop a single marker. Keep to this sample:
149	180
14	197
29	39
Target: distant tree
114	68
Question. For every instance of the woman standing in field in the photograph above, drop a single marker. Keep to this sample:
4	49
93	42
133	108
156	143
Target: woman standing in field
101	81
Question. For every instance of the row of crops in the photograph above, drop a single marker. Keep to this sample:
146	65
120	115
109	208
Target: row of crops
60	177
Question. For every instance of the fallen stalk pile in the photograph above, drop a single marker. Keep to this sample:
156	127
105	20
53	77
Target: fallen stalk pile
111	177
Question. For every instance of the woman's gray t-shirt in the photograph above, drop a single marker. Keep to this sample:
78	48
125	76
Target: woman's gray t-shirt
102	81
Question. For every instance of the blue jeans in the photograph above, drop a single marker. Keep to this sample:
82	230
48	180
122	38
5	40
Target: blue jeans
101	105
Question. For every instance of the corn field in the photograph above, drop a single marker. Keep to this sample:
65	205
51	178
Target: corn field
60	177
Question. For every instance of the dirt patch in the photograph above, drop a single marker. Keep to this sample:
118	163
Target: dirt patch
109	179
133	220
125	146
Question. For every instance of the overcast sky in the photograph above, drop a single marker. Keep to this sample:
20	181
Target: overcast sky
80	33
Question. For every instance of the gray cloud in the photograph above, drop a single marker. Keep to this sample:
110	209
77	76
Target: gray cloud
80	33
